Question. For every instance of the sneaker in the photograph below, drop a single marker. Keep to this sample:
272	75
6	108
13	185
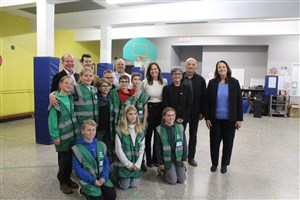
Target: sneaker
65	188
72	184
193	162
143	167
213	168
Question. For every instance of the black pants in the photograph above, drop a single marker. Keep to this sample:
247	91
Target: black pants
193	129
105	137
64	166
108	193
221	130
154	120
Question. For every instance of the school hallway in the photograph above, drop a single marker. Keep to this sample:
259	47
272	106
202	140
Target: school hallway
264	165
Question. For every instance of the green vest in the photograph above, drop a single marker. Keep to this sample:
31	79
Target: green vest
86	103
91	166
116	110
67	125
131	152
139	103
167	147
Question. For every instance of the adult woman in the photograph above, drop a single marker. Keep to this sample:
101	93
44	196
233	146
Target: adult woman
224	113
153	85
179	97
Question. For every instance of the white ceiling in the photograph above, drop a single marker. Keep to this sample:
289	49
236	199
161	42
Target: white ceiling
89	16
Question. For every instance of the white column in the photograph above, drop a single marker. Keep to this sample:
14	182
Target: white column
105	44
45	28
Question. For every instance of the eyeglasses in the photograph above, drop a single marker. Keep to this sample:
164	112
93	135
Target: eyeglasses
177	74
124	81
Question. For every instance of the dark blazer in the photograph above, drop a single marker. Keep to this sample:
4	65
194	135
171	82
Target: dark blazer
181	102
199	95
57	77
235	100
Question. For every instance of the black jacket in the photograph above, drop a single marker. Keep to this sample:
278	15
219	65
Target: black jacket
179	98
235	100
57	77
199	95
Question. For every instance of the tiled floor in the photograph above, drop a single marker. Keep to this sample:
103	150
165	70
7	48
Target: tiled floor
264	165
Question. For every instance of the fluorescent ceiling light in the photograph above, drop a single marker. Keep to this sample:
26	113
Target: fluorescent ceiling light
123	1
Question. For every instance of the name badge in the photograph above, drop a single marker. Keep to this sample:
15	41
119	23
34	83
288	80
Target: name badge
101	162
179	144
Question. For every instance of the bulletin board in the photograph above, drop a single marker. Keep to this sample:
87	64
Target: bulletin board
239	74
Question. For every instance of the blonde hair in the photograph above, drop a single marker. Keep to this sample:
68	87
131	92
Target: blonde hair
164	112
85	69
88	122
124	122
62	80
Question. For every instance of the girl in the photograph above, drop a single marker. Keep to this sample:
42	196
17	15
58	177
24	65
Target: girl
85	97
153	85
63	126
129	144
171	148
91	165
103	129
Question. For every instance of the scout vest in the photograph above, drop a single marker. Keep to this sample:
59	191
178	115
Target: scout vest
91	166
131	152
67	126
139	104
86	103
167	147
116	110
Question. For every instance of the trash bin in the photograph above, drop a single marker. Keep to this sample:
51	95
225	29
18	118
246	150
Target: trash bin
245	105
257	108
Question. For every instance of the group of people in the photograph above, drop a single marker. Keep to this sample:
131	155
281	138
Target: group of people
105	125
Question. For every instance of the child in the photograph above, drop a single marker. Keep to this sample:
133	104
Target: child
91	165
140	102
103	129
63	126
171	148
129	144
85	97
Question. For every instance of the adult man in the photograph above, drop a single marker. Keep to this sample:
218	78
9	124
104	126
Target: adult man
86	60
198	88
119	71
67	60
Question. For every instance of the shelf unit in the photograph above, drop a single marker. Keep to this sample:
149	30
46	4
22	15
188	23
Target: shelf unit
278	105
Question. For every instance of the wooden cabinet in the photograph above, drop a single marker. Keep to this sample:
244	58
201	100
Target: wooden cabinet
278	105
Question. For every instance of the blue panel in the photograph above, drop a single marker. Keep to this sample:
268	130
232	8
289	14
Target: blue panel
138	70
101	67
270	91
167	76
44	70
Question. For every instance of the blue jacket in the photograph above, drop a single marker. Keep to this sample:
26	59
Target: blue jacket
80	172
